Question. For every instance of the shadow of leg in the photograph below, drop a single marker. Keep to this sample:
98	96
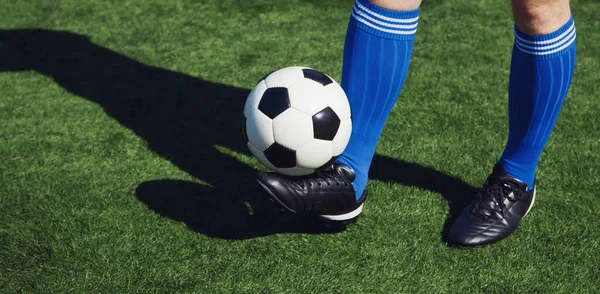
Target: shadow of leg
455	191
183	118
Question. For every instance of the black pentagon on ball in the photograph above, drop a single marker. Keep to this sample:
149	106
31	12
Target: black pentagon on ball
280	156
317	76
325	124
274	101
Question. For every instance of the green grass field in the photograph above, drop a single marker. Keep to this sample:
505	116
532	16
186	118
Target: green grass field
123	168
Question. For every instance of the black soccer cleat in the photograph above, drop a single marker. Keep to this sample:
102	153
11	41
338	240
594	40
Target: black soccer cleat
327	193
495	212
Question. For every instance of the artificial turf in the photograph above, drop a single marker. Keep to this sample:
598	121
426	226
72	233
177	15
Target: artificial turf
123	168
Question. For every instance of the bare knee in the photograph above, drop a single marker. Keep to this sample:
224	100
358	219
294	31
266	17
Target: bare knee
400	5
539	17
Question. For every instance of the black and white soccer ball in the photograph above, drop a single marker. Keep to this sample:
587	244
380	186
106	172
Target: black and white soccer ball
297	120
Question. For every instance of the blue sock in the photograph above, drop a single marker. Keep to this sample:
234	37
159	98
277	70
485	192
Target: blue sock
377	53
540	76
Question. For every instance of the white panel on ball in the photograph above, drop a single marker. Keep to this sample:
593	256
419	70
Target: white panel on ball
254	98
259	129
293	129
314	154
342	137
284	77
307	96
260	156
295	171
337	100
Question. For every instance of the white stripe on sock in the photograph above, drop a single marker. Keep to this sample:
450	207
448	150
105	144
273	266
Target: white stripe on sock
382	17
397	32
547	52
555	45
571	28
395	26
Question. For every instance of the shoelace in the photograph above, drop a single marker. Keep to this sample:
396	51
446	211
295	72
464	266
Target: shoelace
491	198
325	177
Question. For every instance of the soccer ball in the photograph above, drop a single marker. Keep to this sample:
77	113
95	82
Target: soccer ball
297	120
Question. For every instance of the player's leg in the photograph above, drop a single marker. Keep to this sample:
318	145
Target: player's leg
397	5
377	55
543	61
377	52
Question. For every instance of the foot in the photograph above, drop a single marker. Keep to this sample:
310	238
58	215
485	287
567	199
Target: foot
495	212
327	194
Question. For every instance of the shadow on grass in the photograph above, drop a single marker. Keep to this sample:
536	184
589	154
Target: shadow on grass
183	119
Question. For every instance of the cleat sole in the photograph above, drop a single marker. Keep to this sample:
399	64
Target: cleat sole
532	201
